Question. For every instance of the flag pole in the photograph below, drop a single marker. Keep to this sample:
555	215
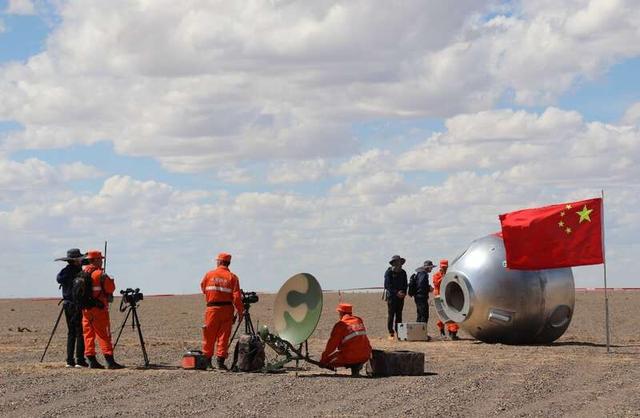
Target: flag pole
606	293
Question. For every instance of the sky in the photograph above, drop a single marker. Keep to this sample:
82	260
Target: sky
320	137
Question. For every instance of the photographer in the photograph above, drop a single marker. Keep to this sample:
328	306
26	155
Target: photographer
221	289
72	312
95	319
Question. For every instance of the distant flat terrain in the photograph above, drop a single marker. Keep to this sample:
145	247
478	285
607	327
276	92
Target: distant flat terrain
572	377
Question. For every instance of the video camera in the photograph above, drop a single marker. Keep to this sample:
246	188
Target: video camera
131	296
249	297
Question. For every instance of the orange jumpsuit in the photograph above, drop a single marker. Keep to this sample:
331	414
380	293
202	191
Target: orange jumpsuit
221	289
452	327
95	321
348	344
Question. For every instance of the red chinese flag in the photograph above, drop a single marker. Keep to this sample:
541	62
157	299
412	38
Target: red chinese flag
569	234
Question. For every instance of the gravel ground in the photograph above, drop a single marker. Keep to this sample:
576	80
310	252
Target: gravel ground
572	377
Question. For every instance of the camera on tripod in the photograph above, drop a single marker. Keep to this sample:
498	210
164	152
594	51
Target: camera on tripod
129	304
249	297
131	296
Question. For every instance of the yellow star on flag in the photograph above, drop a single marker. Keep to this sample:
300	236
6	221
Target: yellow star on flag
568	230
560	224
584	214
568	206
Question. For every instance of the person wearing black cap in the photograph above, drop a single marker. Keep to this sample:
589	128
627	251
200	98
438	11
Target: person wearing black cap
419	288
72	313
395	287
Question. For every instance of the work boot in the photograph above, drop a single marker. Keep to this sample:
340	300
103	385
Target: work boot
70	364
80	363
454	336
209	364
355	370
93	363
221	365
111	363
442	334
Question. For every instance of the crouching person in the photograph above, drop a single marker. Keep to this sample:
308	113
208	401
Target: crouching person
348	345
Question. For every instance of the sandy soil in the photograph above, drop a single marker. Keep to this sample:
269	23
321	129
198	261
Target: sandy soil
572	377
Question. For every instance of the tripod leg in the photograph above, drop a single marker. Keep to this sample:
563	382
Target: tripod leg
234	333
136	324
52	333
122	327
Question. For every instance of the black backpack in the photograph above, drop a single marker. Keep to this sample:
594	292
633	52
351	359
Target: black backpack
249	354
82	292
413	285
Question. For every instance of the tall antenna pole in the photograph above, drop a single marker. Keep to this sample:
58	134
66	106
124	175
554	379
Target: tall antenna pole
104	267
606	292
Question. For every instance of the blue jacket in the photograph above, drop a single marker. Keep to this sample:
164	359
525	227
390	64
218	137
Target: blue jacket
395	281
65	278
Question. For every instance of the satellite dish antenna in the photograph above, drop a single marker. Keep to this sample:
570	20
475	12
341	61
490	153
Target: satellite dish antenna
297	308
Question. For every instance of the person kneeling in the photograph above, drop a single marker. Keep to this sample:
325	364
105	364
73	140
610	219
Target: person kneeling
348	345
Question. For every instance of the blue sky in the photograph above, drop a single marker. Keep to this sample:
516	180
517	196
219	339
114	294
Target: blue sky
344	165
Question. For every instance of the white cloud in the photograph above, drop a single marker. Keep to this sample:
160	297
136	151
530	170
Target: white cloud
632	115
556	146
3	27
370	161
297	171
34	179
192	86
20	7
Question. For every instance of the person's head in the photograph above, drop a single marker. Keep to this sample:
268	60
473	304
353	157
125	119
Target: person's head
428	266
444	265
95	258
75	262
397	262
344	309
223	259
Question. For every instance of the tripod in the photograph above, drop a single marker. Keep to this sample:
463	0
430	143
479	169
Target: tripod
135	324
55	327
248	324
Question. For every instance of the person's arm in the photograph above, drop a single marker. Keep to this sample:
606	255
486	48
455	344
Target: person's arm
61	278
237	298
387	280
337	334
203	284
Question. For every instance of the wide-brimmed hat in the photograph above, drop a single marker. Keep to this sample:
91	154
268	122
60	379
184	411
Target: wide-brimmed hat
396	258
428	264
345	308
72	254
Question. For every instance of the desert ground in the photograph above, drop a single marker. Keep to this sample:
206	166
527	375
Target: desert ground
572	377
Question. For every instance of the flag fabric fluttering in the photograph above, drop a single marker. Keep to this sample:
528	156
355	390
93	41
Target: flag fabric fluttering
563	235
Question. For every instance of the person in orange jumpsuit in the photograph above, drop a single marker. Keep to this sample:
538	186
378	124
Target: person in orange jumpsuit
221	289
95	320
452	327
348	345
